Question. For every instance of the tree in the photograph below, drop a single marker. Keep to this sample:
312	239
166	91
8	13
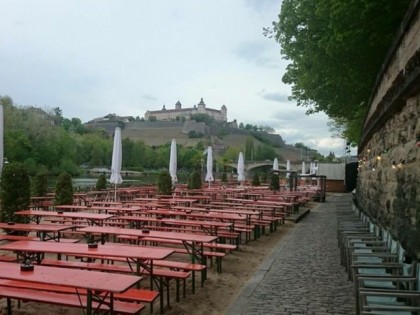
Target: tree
335	50
274	182
249	149
64	190
195	181
256	180
165	183
15	193
101	182
40	184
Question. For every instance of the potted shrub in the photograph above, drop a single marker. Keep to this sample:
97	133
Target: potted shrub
274	182
101	182
165	183
256	180
195	181
15	194
40	184
64	190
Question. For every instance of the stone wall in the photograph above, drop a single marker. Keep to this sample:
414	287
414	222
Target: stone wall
388	187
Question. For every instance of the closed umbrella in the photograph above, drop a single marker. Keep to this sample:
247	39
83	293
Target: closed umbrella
303	168
288	168
1	138
275	164
173	162
241	167
209	175
116	161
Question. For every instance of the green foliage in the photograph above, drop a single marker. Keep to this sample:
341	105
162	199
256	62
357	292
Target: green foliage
101	182
165	183
256	180
274	182
224	178
194	134
194	181
249	149
152	118
207	119
64	190
264	177
15	194
40	184
335	50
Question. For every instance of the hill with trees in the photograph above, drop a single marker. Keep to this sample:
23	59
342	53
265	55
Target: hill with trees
45	141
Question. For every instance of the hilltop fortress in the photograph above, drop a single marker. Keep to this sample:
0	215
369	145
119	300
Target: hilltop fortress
185	113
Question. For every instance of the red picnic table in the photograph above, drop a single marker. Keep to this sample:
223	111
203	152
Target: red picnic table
210	227
90	281
141	256
193	243
45	232
90	218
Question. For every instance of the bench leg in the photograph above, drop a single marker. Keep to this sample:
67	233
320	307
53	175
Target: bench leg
9	306
193	282
168	297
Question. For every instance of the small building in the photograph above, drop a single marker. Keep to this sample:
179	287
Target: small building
335	173
185	113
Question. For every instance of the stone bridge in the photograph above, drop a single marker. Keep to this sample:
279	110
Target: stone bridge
294	166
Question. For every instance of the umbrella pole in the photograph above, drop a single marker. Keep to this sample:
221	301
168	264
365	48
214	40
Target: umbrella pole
115	193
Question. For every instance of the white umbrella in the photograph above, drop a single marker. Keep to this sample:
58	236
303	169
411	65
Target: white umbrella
241	167
1	138
288	168
116	160
275	164
303	168
173	162
209	175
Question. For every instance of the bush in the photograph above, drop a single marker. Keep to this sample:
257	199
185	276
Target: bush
264	178
40	184
165	183
64	190
195	181
274	182
101	182
256	180
16	194
224	178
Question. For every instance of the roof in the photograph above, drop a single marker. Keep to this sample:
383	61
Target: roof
332	170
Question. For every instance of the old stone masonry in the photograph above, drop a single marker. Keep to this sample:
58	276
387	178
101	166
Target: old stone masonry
304	274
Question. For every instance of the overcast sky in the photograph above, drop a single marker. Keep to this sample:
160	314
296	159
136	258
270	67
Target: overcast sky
95	57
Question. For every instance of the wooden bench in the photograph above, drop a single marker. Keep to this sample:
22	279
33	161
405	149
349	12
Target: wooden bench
160	273
8	258
207	254
131	295
11	237
235	236
63	299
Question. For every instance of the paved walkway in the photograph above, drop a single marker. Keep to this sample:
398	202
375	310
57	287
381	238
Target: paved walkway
303	275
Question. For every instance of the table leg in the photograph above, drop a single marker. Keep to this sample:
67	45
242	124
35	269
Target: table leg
89	302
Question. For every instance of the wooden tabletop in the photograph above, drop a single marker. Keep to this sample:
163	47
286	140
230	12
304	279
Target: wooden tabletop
112	250
86	279
73	215
188	237
35	227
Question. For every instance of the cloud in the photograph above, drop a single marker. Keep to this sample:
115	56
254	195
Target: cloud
258	52
149	97
263	5
276	97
